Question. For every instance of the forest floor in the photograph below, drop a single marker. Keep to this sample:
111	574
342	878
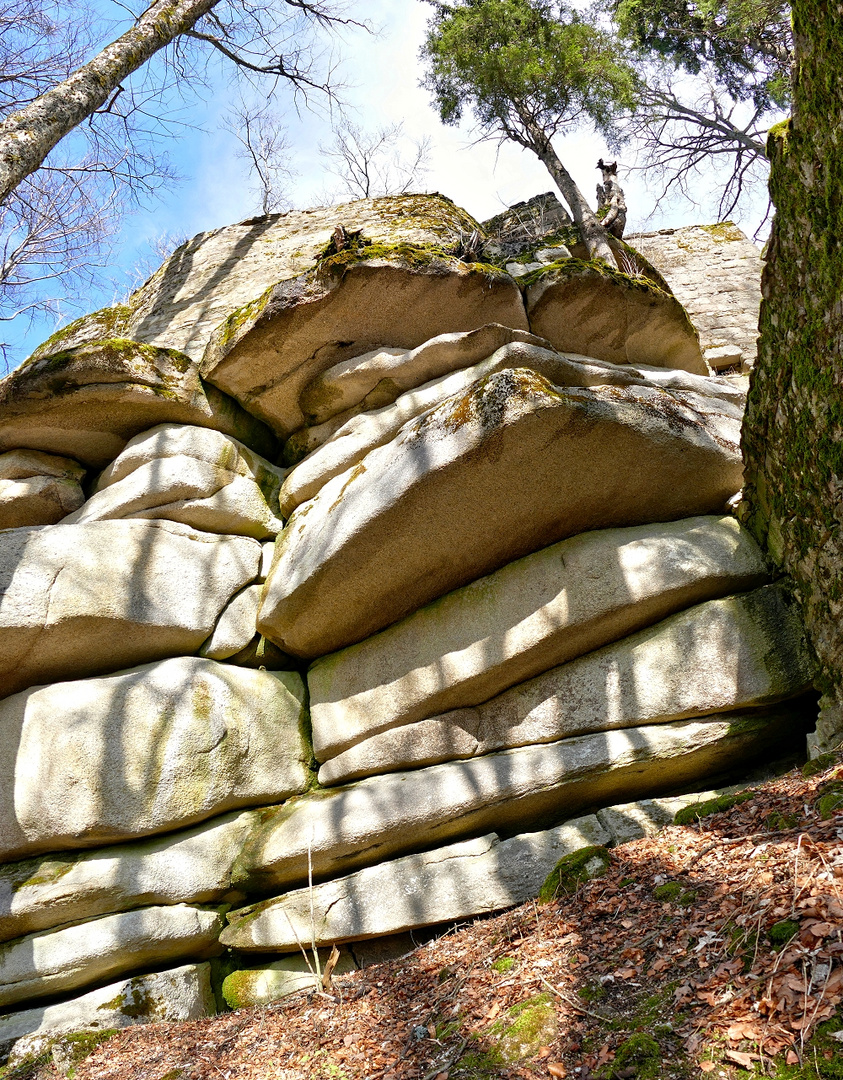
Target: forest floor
710	949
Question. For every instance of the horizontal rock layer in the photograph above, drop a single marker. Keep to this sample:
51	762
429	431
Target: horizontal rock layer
531	615
145	751
183	993
342	829
58	961
734	653
201	478
79	600
268	353
345	440
88	401
453	882
410	522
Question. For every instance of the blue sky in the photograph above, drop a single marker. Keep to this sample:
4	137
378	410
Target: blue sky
381	74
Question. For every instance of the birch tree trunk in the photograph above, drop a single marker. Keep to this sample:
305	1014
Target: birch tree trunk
27	136
592	232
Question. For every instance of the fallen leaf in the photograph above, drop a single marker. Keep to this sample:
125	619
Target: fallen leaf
792	1058
742	1059
556	1068
707	1066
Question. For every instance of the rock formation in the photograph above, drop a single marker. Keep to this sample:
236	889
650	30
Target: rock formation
372	568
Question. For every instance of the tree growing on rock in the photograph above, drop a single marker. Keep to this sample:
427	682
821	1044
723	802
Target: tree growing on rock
529	70
740	53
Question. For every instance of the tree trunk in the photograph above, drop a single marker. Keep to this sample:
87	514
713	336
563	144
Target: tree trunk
592	232
27	136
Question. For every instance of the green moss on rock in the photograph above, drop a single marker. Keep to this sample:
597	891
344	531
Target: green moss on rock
689	814
572	870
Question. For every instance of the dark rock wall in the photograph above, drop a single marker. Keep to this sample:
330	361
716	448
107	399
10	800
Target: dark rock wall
793	435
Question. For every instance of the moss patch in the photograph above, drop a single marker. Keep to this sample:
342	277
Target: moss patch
642	1052
674	892
689	814
572	870
526	1028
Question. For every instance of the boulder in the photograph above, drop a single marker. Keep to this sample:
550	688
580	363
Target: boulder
188	867
235	627
457	881
411	521
37	488
735	653
536	613
267	353
189	491
183	993
79	600
59	961
217	272
631	821
145	751
342	829
202	444
259	986
589	308
89	400
344	446
378	377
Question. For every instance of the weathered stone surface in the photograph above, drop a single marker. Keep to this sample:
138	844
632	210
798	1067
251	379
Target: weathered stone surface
217	272
199	477
411	522
191	866
145	751
202	444
631	821
183	993
453	882
735	653
259	986
583	308
378	377
24	464
348	444
715	273
266	354
236	625
59	961
78	600
37	488
535	613
346	828
88	401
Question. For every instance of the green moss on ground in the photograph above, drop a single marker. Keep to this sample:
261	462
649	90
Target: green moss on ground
781	932
829	799
642	1052
674	892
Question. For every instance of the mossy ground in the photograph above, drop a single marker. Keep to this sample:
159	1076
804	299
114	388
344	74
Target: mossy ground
696	811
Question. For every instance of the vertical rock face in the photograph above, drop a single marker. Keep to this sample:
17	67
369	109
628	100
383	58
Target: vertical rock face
515	570
792	437
715	273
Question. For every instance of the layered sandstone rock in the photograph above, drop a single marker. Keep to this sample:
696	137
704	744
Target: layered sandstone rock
38	488
200	478
145	751
88	401
410	521
532	615
79	600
